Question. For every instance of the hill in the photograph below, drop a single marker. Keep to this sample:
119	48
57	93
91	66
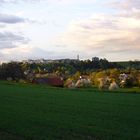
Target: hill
129	64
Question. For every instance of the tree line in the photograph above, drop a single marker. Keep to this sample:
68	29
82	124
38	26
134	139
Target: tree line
19	70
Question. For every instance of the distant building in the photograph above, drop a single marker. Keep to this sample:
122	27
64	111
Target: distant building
44	61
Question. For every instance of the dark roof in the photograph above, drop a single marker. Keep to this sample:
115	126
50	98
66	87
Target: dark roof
52	81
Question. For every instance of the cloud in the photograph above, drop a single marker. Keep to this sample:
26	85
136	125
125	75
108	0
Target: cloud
126	8
125	4
54	2
15	1
103	34
106	33
71	2
25	52
11	40
11	19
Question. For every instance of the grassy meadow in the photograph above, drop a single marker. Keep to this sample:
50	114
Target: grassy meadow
33	112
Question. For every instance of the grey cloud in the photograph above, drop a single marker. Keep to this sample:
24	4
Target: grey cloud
11	19
1	1
9	40
125	4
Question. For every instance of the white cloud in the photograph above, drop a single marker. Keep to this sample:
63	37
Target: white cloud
24	52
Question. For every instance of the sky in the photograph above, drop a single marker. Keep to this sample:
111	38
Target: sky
60	29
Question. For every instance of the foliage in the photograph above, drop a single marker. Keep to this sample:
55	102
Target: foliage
76	76
129	64
114	74
95	69
98	75
12	69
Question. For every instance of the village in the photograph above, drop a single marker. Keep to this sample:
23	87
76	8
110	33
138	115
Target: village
72	74
98	79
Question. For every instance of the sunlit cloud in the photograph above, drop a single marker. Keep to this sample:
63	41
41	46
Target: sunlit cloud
103	33
26	51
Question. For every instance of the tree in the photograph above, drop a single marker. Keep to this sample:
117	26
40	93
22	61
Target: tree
114	74
98	75
104	64
12	69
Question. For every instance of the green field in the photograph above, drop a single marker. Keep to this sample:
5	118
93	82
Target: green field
31	112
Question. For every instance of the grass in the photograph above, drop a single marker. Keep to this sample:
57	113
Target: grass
32	112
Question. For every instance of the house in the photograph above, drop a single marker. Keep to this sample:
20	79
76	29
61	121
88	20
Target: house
83	81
